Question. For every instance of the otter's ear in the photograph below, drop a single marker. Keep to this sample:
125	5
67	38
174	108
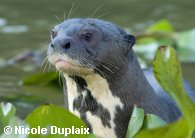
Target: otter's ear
130	39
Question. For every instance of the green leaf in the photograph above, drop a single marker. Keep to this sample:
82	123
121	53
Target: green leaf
167	71
193	135
136	122
177	129
145	40
46	116
91	136
7	111
166	41
161	26
41	78
152	121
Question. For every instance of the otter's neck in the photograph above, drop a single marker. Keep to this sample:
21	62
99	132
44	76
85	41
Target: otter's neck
131	85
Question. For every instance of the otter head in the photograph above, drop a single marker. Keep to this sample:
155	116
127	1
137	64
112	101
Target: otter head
85	46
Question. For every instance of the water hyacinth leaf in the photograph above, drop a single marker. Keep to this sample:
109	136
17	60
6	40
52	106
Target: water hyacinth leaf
167	71
177	129
145	40
136	122
152	121
166	41
46	116
41	78
161	26
7	111
91	136
193	135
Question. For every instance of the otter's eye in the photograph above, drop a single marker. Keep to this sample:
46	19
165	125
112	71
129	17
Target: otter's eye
53	34
87	37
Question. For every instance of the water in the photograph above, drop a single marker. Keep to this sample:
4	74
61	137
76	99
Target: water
26	24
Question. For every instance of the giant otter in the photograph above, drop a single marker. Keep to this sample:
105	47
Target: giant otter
102	77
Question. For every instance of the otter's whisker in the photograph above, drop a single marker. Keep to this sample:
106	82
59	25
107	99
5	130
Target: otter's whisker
88	67
107	63
71	10
96	10
46	64
49	66
107	68
57	18
104	14
59	78
44	60
64	15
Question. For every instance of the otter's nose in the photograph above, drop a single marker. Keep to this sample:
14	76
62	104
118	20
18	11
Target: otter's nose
61	44
66	46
